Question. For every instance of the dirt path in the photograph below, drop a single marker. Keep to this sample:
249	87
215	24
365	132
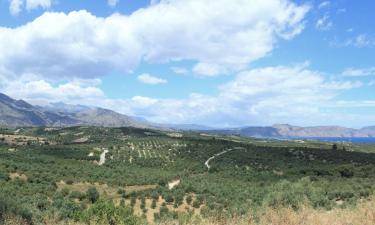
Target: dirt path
102	157
218	154
173	184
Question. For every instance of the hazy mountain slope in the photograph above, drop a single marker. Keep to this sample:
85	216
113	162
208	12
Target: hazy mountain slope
285	130
107	118
20	113
16	113
319	131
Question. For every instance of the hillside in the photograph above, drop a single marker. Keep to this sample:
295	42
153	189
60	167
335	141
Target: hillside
98	175
17	113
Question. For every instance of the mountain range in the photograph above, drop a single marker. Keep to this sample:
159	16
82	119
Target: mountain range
286	130
18	113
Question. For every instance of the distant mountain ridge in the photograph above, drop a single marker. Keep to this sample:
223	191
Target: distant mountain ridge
286	130
17	113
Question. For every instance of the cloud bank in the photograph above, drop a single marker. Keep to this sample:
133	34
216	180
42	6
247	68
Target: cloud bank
79	44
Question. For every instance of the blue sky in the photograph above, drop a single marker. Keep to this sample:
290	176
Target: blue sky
191	61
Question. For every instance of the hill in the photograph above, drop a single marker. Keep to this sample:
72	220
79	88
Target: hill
17	113
100	175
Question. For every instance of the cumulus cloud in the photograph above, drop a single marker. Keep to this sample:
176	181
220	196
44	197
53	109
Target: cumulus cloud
292	94
82	45
41	92
149	79
260	96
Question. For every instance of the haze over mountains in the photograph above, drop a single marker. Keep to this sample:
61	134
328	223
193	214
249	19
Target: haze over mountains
286	130
17	113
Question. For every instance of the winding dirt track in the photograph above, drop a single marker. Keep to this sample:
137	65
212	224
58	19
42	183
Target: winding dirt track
102	157
218	154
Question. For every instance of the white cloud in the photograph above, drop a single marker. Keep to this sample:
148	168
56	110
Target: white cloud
257	97
33	4
153	2
143	102
112	3
81	44
207	69
324	4
359	41
293	94
148	79
358	72
41	92
16	6
324	23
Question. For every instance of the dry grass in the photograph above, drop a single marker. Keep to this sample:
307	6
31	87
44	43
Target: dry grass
104	189
362	214
14	176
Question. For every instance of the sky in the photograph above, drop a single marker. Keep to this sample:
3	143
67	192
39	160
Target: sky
220	63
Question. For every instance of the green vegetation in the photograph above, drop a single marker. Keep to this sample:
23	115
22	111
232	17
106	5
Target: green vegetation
62	179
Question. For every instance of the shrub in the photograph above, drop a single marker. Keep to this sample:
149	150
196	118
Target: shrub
69	182
92	194
189	199
78	195
133	200
70	210
65	191
153	204
105	212
196	204
4	177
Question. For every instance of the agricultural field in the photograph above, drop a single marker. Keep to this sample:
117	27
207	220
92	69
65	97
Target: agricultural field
93	175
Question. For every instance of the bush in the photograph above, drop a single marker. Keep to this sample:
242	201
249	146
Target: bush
196	204
133	200
69	182
346	173
77	195
70	210
92	194
153	204
4	177
65	191
105	212
9	206
189	199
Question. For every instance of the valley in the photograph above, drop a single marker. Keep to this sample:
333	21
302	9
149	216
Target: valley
146	176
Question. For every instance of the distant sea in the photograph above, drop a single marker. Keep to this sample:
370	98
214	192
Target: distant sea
370	140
